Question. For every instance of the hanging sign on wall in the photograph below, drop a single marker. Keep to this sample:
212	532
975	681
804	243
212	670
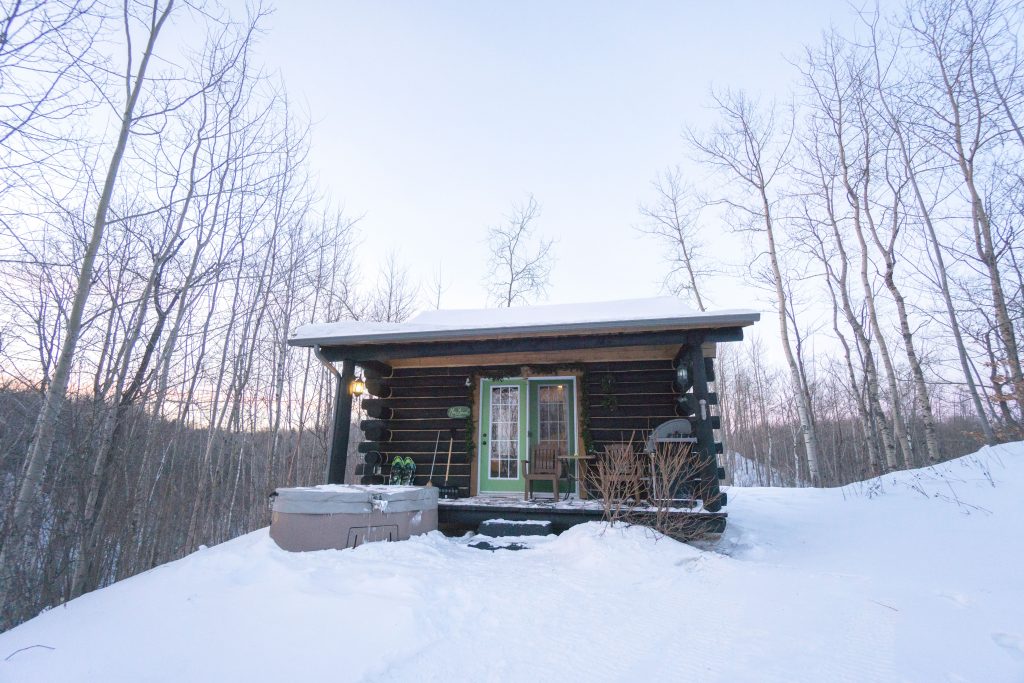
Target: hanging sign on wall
459	412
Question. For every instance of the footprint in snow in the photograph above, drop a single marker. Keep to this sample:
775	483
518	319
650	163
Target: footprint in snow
1013	643
958	599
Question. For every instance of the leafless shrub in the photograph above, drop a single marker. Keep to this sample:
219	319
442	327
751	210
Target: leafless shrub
650	489
616	478
674	472
671	468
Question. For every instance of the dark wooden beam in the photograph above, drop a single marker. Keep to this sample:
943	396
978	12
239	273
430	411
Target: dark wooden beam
375	370
363	353
377	408
338	457
378	388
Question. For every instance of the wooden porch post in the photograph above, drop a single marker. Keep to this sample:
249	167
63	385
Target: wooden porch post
704	429
338	456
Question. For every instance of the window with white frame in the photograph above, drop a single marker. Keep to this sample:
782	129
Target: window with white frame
552	416
504	429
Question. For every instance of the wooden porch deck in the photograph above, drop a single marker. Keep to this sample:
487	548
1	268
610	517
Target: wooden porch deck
457	515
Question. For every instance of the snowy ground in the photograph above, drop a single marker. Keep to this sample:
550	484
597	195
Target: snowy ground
918	576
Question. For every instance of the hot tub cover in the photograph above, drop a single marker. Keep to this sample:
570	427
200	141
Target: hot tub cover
331	499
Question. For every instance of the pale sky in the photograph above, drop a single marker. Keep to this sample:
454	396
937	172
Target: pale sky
431	118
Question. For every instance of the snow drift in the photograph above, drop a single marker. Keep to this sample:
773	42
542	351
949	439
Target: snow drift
915	576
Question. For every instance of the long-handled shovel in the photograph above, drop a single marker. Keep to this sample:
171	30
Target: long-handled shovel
448	490
430	481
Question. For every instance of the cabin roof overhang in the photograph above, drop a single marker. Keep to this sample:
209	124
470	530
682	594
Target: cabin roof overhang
653	328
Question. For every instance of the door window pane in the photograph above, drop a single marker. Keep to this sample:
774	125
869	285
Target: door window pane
504	429
553	416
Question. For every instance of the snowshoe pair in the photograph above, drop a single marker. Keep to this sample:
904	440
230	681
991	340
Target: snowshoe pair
402	471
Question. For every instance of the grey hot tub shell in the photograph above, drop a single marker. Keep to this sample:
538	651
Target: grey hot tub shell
344	516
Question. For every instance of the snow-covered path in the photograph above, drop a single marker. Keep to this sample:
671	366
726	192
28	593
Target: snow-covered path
892	580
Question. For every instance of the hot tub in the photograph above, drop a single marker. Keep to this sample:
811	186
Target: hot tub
344	516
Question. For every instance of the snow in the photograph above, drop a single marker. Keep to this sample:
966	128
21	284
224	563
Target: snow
520	522
652	310
914	576
357	488
743	471
539	504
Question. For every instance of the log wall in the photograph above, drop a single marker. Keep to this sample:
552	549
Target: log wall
619	401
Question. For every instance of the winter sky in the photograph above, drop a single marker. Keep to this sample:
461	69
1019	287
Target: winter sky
431	118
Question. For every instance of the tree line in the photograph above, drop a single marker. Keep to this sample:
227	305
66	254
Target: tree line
160	237
884	206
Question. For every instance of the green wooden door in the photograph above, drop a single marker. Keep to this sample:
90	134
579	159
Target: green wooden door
503	435
552	409
515	416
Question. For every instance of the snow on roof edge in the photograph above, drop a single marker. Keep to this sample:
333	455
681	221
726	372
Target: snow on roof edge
624	315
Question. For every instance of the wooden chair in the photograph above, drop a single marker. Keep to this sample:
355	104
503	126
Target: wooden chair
621	470
543	465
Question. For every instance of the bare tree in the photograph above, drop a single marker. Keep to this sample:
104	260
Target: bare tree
899	120
751	147
518	269
672	217
183	394
865	392
906	190
42	47
438	288
966	109
45	429
394	299
834	79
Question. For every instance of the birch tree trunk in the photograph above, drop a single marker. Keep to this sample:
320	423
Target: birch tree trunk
952	39
46	424
834	76
888	253
897	126
899	423
742	147
859	400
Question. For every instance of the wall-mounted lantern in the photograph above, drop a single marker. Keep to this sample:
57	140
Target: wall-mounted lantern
357	387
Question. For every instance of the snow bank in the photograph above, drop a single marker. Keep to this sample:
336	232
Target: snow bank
912	577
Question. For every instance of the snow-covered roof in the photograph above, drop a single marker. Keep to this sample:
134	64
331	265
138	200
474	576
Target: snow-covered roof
629	315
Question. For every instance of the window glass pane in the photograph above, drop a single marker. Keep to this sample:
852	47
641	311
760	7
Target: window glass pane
504	429
553	415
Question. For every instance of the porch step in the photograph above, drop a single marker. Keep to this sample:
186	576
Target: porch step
507	527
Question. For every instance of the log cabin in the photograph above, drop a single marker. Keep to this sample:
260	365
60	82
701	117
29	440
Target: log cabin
471	396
